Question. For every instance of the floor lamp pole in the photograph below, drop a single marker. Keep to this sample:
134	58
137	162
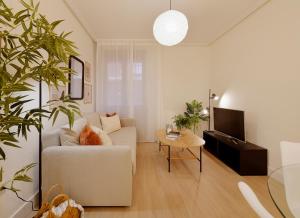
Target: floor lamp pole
40	143
209	98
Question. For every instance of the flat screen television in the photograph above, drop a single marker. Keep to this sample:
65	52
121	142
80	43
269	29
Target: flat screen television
230	122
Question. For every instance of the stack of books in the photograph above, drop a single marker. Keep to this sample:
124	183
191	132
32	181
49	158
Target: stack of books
173	135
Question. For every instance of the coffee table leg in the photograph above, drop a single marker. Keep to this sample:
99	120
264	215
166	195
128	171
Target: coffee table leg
200	159
169	157
159	146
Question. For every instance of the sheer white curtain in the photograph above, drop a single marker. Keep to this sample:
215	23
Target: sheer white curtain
128	83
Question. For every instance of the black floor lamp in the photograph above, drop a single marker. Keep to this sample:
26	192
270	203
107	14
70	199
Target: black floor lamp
211	96
40	145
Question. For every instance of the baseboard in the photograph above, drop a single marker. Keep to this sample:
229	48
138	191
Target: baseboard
25	210
270	170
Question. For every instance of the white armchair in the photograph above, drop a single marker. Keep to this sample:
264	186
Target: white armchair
290	155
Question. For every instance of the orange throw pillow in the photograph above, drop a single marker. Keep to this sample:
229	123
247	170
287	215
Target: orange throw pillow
89	137
111	114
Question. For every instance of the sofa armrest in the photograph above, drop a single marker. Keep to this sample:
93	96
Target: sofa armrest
126	122
92	175
51	138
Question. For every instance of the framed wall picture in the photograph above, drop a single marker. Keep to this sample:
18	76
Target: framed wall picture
88	93
87	72
76	79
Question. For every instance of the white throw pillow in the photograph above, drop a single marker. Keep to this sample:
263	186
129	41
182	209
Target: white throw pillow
106	140
110	124
68	137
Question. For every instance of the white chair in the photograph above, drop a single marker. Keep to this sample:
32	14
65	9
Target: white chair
253	201
290	155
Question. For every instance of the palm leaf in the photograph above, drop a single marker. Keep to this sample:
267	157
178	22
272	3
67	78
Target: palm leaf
22	62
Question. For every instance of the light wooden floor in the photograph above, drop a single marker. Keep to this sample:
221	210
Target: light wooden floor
185	192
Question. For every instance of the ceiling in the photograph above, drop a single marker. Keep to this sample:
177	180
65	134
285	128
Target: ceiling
133	19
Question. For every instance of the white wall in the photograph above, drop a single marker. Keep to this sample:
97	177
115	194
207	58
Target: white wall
257	69
17	158
185	76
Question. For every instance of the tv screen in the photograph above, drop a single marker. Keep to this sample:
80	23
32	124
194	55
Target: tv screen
230	122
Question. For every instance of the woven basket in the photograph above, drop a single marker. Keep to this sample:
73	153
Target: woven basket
47	206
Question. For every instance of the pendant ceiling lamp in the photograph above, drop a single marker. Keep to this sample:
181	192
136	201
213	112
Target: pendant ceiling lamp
170	27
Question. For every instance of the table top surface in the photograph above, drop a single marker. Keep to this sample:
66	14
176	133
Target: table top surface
186	139
284	188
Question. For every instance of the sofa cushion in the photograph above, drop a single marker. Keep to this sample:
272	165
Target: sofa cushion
51	138
89	137
110	124
103	135
71	137
68	137
127	122
126	136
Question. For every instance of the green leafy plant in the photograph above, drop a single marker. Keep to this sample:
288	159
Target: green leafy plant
30	51
181	122
192	116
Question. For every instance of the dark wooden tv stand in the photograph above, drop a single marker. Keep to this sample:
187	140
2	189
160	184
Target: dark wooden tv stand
243	157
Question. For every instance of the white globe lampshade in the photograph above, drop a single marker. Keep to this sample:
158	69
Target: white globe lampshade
170	27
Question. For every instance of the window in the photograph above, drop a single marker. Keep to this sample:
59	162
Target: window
114	71
138	83
138	71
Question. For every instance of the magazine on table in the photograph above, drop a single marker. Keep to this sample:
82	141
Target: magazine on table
173	135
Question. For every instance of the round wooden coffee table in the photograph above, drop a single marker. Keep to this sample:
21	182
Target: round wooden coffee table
185	141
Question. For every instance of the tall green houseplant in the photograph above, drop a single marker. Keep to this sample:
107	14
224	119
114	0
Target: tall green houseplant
30	51
192	116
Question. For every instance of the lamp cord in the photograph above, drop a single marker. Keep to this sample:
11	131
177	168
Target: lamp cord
22	199
170	4
31	202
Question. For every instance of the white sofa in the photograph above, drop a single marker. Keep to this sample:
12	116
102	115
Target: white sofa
92	175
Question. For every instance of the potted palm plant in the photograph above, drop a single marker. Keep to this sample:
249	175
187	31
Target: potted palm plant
31	51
